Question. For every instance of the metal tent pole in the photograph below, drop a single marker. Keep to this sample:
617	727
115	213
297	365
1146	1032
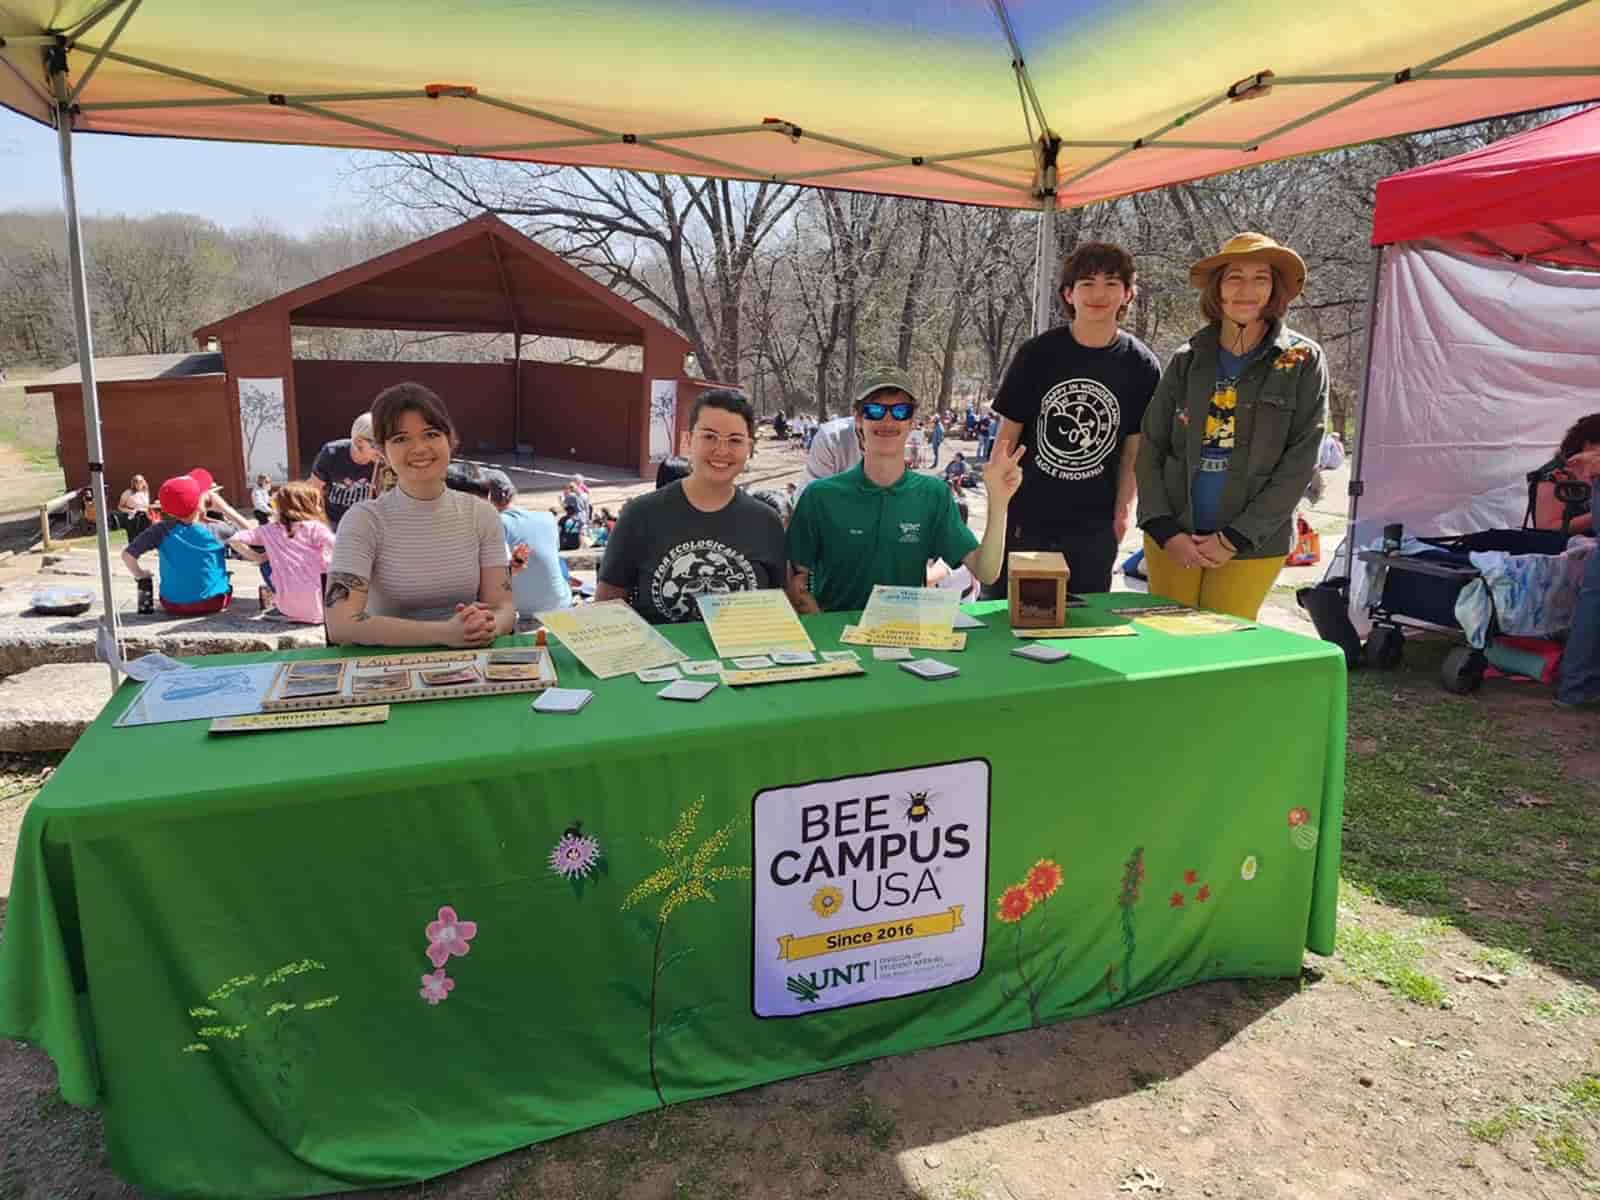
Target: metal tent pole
56	62
1356	486
1044	267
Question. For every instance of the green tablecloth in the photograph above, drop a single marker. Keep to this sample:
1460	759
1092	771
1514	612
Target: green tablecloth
234	945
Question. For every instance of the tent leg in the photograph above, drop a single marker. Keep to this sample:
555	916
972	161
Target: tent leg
1044	267
57	61
1361	410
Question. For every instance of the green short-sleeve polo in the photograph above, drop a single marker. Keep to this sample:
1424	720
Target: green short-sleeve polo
850	534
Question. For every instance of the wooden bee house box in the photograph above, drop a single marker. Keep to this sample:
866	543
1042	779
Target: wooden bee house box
1038	589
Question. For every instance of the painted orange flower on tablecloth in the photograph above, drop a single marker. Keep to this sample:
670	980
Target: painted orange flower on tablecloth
1298	816
1015	904
1203	894
1190	878
1176	901
1044	879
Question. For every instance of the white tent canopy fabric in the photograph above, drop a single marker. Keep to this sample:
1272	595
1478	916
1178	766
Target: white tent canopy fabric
1479	365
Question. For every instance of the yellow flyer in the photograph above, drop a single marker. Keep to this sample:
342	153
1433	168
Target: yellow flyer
1191	624
1079	631
610	638
742	624
926	639
822	670
268	722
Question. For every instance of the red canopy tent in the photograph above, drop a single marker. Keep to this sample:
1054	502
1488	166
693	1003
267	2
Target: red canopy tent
1532	196
1484	343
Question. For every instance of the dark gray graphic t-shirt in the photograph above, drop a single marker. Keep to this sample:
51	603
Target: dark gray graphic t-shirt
347	484
665	552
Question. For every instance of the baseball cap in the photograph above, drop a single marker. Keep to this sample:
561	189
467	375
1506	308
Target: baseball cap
180	496
501	489
885	379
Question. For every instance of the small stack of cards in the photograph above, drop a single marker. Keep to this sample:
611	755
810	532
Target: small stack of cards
930	668
688	689
562	700
1039	652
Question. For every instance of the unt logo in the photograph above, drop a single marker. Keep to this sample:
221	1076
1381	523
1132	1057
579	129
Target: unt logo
810	986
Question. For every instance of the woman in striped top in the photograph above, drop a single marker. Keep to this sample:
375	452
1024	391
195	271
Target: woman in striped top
419	565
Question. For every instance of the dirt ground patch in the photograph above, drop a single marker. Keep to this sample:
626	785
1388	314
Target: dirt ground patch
1449	1048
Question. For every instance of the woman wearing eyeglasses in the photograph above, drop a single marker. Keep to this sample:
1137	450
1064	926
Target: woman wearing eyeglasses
700	535
880	523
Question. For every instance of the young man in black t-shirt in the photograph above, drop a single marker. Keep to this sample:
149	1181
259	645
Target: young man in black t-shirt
1075	396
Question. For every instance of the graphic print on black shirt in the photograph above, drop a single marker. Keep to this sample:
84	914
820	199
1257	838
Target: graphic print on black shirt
1077	406
703	567
1079	427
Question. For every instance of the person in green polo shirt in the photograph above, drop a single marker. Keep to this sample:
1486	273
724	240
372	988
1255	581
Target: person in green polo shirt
880	523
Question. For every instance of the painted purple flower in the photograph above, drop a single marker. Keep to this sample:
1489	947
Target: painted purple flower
436	986
575	855
448	936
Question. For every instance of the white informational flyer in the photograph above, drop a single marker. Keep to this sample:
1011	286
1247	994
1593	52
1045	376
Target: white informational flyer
869	887
910	609
200	694
610	638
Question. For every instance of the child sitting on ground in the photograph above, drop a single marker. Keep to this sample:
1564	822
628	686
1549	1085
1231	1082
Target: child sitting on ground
191	547
298	548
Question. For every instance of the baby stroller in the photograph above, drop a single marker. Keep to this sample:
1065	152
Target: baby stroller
1418	591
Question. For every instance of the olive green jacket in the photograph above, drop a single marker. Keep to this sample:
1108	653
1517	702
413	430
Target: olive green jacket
1278	426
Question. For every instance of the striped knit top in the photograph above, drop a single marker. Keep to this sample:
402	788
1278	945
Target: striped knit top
420	557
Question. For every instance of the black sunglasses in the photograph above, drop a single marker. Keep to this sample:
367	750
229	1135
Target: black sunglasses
873	410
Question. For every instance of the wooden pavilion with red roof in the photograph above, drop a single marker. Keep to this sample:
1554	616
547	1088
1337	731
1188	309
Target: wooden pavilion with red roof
482	276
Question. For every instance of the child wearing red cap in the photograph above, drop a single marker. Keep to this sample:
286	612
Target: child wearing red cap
192	548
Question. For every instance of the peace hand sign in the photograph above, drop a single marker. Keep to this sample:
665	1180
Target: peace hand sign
1002	475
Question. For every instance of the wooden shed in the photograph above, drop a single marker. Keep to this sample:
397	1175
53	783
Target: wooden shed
160	415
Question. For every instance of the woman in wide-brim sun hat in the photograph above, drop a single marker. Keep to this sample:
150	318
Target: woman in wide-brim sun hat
1231	437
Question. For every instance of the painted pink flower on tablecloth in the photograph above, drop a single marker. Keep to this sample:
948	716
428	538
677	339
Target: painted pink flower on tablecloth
436	986
449	935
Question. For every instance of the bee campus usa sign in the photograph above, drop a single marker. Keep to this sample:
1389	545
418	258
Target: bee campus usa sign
869	887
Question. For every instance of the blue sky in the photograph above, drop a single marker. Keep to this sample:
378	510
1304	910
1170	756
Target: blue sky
295	187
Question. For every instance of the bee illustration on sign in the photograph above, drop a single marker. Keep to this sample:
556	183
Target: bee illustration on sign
918	809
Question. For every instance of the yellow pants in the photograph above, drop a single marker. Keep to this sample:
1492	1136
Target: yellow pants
1238	588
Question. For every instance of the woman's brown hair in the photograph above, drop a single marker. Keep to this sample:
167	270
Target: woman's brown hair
1211	296
299	502
404	398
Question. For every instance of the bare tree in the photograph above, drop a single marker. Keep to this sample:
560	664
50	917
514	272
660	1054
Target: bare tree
682	246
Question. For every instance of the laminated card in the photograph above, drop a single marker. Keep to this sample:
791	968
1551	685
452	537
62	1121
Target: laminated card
610	638
751	623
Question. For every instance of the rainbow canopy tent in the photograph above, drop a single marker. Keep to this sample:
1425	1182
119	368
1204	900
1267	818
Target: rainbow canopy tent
1484	346
1048	104
938	98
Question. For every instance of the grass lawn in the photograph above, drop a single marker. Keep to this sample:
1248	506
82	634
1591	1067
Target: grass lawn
1468	809
29	474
